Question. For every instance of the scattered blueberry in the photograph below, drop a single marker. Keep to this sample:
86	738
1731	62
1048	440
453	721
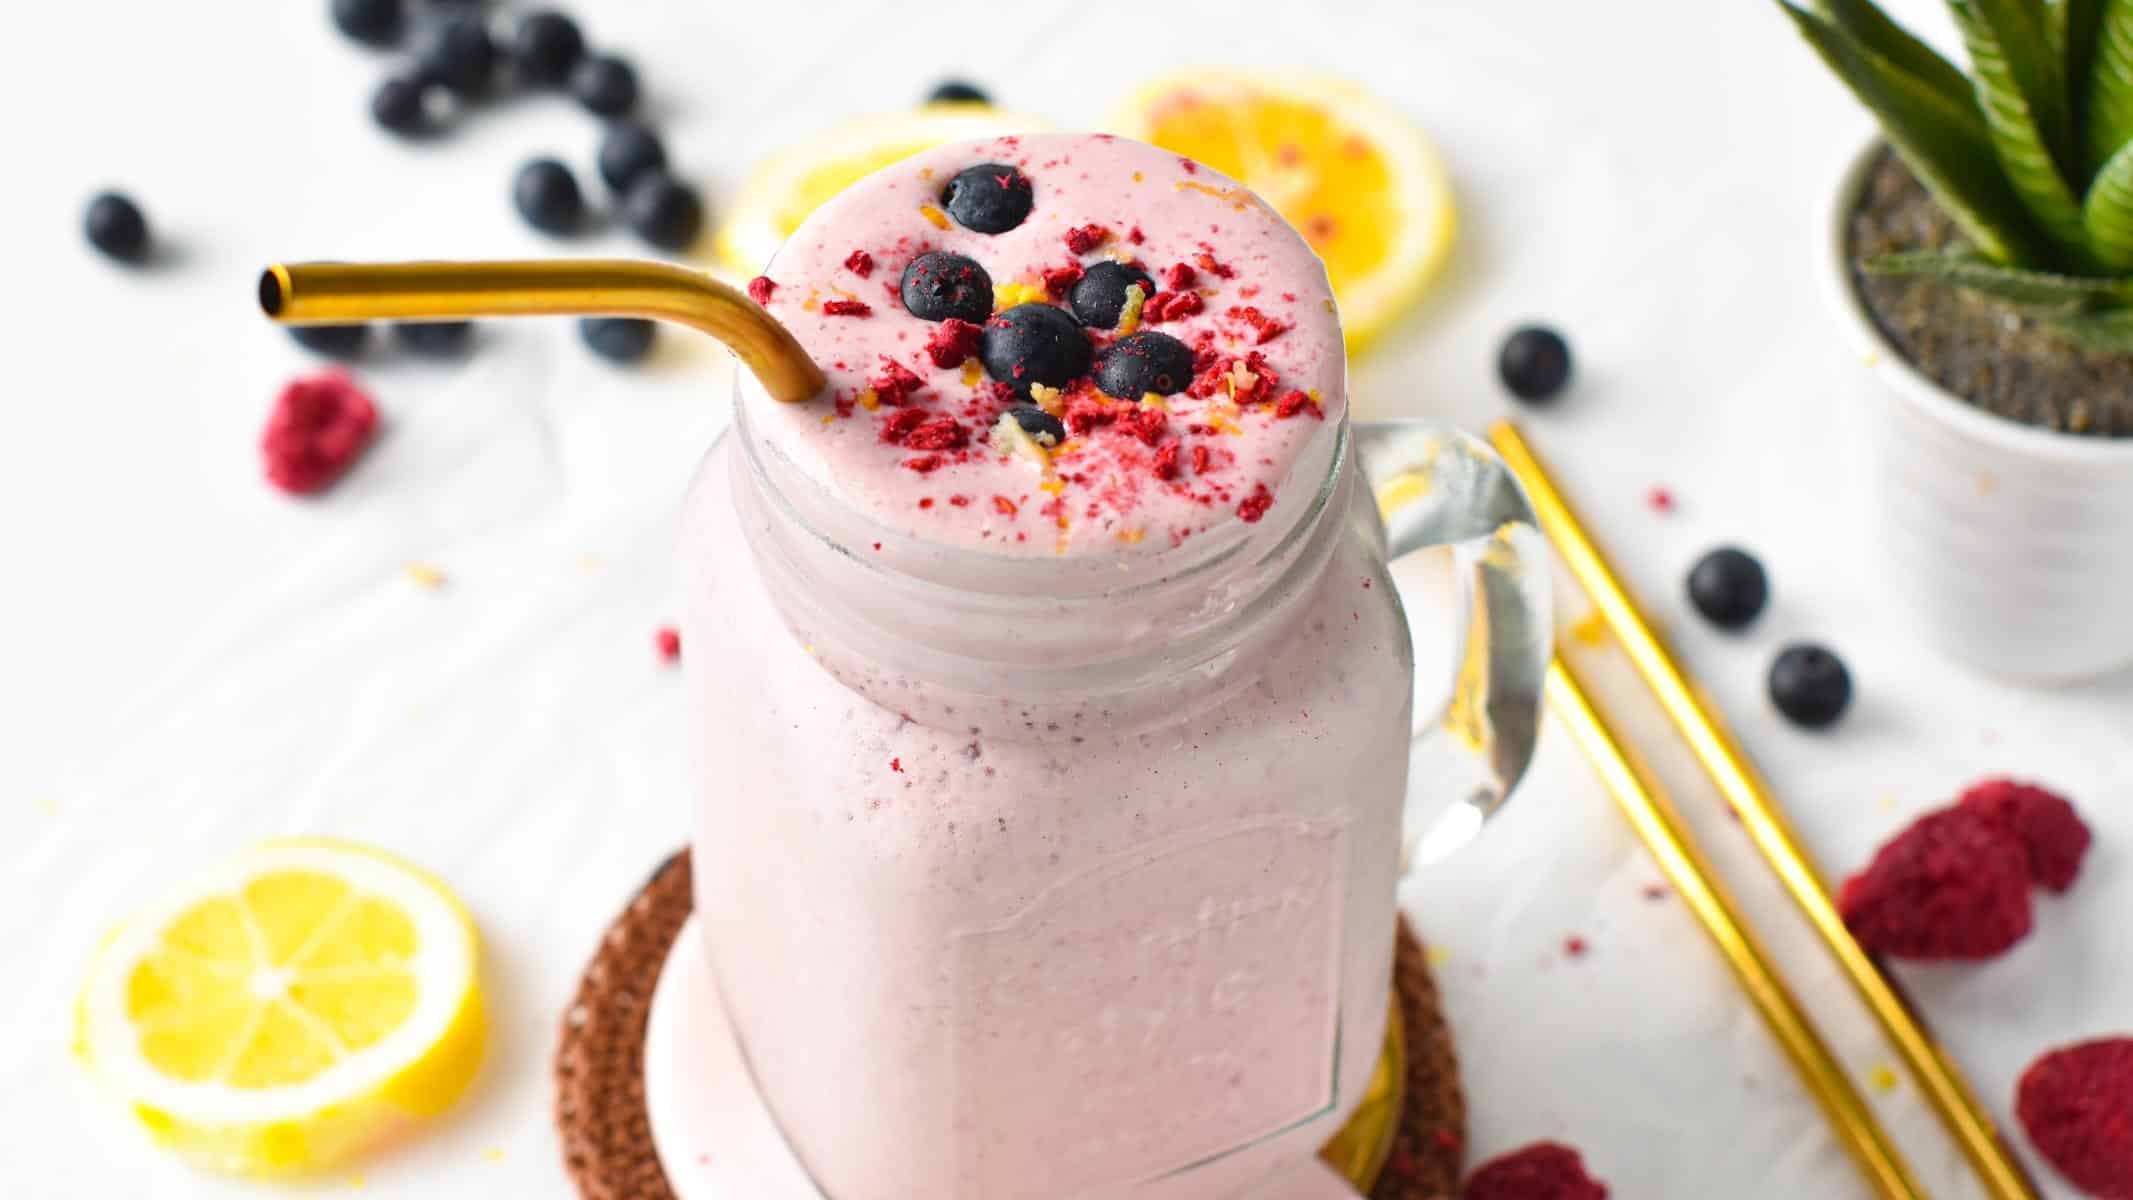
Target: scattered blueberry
372	22
545	46
955	91
629	149
1534	363
664	211
435	339
1034	343
547	196
938	285
1042	427
115	226
618	339
1810	685
1100	296
453	50
605	85
333	341
400	104
1144	362
988	198
1728	587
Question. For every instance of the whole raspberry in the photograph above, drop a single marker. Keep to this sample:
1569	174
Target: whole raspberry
319	427
2050	830
1541	1171
1952	886
2077	1104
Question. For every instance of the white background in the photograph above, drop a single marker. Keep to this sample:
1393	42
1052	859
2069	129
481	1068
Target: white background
190	661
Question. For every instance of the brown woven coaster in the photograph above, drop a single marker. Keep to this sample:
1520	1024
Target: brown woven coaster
599	1067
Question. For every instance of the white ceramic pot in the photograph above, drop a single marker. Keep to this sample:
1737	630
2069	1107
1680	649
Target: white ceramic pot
2011	545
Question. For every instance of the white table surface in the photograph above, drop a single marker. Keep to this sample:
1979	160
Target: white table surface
190	661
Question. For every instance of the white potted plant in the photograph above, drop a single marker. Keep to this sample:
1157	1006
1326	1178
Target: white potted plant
1981	250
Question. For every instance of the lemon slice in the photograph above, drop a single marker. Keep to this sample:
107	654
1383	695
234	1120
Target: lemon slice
786	187
1362	182
296	1005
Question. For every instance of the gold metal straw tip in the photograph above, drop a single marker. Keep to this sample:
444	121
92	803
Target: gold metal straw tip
274	290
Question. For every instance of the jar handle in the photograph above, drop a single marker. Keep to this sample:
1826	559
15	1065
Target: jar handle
1436	487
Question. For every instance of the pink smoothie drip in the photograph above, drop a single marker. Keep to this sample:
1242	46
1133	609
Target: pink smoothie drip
1269	360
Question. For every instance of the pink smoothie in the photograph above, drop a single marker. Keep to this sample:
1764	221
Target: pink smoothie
1048	831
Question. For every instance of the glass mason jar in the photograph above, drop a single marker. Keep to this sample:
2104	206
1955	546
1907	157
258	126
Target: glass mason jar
1027	877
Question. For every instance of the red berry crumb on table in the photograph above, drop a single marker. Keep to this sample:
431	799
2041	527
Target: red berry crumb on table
1952	886
320	425
2050	831
2077	1105
668	640
1541	1171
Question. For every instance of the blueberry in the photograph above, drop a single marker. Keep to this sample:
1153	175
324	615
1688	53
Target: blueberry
1144	362
333	341
1728	587
1042	427
1534	363
1034	343
629	149
664	211
955	91
454	51
988	198
401	104
547	196
115	226
618	339
435	339
372	22
1810	685
938	285
545	46
605	85
1100	296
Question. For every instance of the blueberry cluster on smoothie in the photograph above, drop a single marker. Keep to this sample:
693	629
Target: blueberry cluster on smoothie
1056	343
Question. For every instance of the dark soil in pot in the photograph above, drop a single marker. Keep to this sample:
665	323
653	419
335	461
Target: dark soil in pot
1975	347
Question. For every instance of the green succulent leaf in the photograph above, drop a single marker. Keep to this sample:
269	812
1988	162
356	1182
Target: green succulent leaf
2018	286
2109	119
1942	137
2108	212
2109	331
1872	28
2023	94
2075	26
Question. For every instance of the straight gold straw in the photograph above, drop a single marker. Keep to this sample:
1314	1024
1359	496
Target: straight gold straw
325	293
1729	767
1668	838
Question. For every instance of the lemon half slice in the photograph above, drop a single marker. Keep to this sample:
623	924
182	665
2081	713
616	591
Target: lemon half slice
1360	179
288	1009
786	187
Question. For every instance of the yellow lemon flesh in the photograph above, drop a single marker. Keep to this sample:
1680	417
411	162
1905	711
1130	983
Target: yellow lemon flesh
1362	182
785	188
293	1007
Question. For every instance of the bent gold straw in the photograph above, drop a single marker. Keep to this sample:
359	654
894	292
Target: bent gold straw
326	293
1665	834
1951	1097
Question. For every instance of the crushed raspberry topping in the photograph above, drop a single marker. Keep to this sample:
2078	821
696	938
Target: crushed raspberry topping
2050	831
1135	236
925	464
668	642
2077	1105
1264	328
1255	506
940	433
896	383
847	308
1084	238
1954	885
860	263
1202	460
953	341
1147	424
1179	277
1060	280
1085	414
1541	1171
760	288
1171	306
1297	403
318	428
1207	262
899	424
1166	460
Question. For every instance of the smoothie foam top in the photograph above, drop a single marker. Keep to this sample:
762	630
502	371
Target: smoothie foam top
1212	356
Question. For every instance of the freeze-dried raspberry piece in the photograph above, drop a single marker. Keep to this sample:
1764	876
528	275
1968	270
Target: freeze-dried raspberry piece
1952	886
953	341
1541	1171
319	427
2050	830
2077	1104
